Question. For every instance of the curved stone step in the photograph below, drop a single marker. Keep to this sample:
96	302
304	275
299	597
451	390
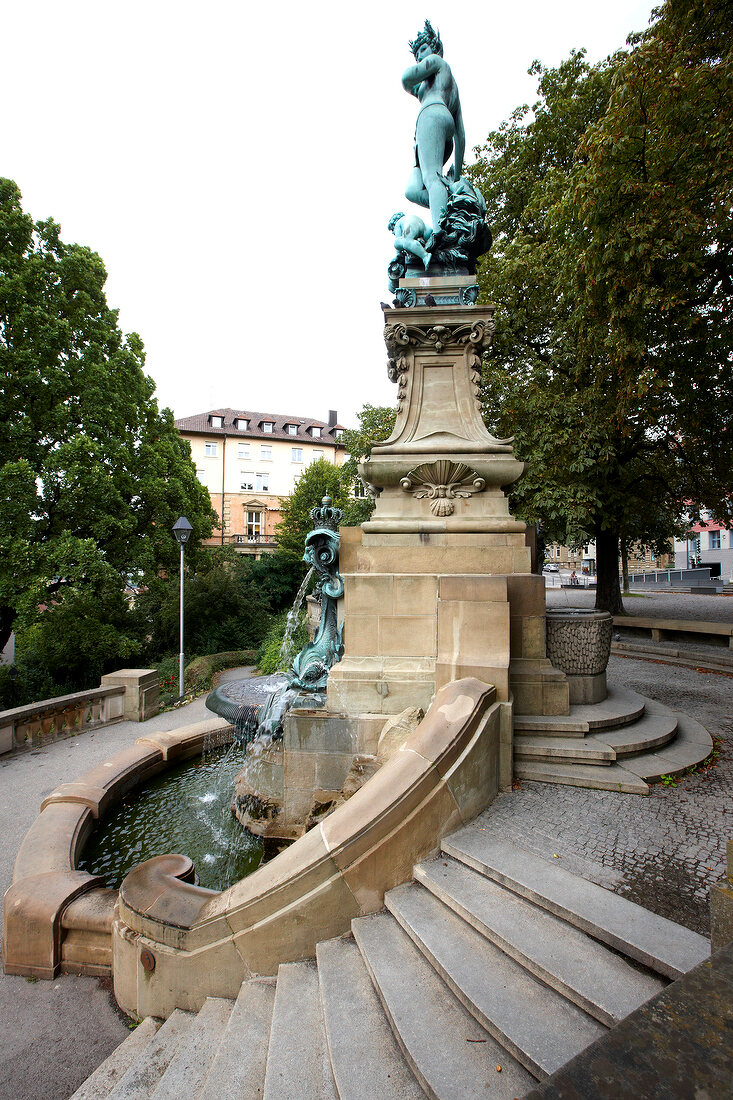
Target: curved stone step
690	747
187	1070
658	943
140	1080
612	777
297	1059
447	1049
650	732
539	1027
622	707
560	955
365	1057
105	1077
238	1069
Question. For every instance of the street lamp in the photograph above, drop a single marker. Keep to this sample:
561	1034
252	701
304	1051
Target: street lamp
182	531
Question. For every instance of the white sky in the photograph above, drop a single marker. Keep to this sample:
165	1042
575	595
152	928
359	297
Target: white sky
235	167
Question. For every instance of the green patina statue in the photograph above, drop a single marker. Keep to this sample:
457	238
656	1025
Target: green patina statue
439	127
458	234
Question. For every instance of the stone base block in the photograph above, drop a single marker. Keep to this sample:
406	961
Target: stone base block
381	685
587	689
538	688
142	691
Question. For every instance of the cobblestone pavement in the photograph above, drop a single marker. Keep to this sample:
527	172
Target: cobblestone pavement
663	851
660	605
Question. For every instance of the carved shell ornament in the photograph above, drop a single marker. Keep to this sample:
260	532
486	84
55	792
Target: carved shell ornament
442	482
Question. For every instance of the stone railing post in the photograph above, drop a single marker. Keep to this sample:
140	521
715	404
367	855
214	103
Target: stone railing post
142	692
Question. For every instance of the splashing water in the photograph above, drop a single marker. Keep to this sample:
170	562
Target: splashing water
287	649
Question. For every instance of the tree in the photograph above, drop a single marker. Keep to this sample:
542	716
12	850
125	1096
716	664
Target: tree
612	276
225	607
376	423
319	479
92	474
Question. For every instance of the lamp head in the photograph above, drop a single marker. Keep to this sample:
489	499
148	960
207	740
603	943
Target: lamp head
182	530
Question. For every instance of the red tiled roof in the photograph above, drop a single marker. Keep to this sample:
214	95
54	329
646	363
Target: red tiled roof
200	424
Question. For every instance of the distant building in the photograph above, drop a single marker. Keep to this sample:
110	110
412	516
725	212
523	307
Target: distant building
249	461
584	560
706	543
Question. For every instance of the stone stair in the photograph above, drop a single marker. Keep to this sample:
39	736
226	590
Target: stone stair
621	744
488	972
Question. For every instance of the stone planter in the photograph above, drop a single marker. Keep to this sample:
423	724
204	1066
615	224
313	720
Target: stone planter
579	643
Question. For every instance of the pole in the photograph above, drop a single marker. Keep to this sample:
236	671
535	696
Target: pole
180	658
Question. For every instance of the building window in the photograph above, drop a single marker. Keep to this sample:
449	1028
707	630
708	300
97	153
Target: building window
242	425
266	452
297	454
243	450
247	480
360	489
316	432
292	429
210	450
714	540
557	552
338	432
268	426
263	483
201	475
316	455
217	421
254	526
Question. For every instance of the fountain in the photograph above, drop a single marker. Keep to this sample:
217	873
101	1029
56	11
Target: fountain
305	684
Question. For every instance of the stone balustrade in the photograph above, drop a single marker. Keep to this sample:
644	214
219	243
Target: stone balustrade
128	694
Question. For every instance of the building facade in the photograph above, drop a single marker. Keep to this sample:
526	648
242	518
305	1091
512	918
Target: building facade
706	543
249	461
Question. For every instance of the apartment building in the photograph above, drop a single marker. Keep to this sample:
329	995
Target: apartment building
249	461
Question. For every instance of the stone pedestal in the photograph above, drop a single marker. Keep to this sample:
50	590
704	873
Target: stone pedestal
438	583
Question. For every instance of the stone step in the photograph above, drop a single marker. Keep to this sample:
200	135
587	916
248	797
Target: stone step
560	955
690	747
297	1058
449	1052
238	1069
657	943
141	1079
187	1070
620	708
650	732
365	1057
581	750
612	777
538	1026
100	1084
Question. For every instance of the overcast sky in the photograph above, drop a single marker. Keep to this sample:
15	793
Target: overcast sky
236	165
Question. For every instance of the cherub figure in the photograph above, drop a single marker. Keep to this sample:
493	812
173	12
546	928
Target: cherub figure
411	235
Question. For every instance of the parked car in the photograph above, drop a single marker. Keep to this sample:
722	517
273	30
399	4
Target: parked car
551	568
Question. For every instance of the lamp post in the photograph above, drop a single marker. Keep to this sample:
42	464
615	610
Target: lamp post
182	531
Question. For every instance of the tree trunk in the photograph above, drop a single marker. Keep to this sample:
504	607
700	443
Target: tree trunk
625	563
608	591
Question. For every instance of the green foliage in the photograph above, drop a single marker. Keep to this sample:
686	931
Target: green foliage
611	207
269	655
319	479
278	577
376	423
198	674
92	474
224	609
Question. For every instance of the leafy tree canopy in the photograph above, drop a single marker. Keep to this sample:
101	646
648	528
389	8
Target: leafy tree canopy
611	205
92	474
319	479
376	423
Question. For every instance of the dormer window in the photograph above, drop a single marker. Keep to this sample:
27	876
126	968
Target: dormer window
242	425
338	433
217	421
291	429
268	427
316	432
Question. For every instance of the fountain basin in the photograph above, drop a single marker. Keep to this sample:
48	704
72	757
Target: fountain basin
579	643
57	916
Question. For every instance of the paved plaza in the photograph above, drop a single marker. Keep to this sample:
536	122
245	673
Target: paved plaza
662	851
